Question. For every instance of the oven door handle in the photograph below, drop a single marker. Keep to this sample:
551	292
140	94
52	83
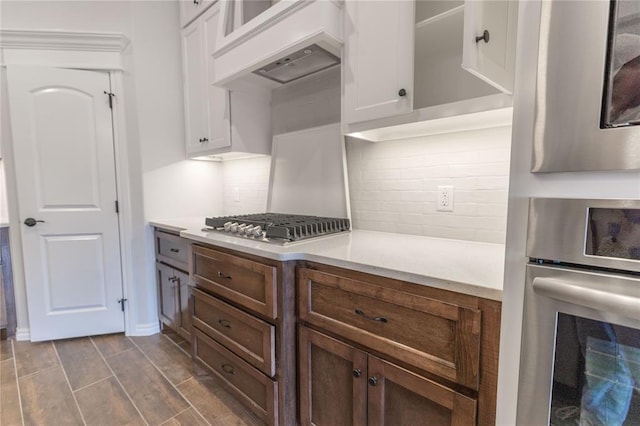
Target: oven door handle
568	291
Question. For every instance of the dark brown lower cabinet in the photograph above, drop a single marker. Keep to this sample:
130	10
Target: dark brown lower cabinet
342	385
174	294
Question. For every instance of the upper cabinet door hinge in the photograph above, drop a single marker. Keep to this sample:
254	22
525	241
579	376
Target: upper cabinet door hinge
111	96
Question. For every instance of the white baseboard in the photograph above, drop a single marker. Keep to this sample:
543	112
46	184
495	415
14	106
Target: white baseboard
145	329
23	334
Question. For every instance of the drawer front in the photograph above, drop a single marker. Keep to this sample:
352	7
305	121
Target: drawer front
435	336
245	282
247	336
172	249
251	387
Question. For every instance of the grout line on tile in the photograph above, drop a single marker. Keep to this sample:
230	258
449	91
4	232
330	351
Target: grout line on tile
66	378
15	372
91	384
169	381
118	380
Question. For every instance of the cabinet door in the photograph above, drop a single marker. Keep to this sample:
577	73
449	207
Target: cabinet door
219	108
400	397
189	9
194	78
379	55
183	317
167	294
333	387
493	58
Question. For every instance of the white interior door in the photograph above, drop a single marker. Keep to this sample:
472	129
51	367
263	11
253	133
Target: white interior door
65	174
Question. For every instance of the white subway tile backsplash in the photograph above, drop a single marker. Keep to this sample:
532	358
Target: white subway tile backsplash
393	184
250	179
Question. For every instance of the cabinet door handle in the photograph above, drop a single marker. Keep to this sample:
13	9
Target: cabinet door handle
402	92
174	250
196	2
224	323
357	372
484	36
203	140
363	315
373	380
221	275
227	368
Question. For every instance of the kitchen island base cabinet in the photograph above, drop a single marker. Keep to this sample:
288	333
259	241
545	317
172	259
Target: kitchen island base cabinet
394	352
342	385
244	328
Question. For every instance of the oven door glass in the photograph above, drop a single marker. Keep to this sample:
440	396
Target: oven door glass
596	377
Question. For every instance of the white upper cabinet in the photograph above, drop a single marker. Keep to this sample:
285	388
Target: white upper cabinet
190	9
403	65
378	75
490	37
194	79
211	127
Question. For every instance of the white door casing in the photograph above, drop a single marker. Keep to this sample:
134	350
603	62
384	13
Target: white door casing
65	176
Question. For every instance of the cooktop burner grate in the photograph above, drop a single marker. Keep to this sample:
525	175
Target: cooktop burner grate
278	227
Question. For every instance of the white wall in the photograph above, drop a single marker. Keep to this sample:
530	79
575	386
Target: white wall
393	184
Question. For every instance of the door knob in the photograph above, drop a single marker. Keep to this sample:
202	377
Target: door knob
484	36
31	221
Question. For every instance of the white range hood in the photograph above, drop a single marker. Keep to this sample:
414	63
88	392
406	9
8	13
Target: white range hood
288	40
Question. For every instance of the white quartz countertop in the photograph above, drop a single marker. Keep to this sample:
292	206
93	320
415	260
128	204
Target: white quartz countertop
467	267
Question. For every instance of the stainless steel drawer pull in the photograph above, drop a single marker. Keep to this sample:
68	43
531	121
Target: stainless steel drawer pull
227	368
224	323
363	315
221	275
174	250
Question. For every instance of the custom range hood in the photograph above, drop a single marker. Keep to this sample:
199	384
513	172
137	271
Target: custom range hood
288	40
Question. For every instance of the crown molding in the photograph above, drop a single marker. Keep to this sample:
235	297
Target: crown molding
63	40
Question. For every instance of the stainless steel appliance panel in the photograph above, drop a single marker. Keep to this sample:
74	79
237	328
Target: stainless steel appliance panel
550	290
558	231
569	94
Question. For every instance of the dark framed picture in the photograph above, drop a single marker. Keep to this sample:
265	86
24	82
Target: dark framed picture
621	103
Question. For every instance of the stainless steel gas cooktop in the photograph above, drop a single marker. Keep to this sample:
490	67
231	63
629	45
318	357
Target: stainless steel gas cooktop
277	227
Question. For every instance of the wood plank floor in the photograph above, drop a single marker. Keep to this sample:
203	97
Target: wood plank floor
110	380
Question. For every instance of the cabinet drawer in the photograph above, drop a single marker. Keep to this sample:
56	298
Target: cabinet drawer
248	283
245	335
436	336
250	386
172	249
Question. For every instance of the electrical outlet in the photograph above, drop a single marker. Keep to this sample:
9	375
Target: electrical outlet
445	198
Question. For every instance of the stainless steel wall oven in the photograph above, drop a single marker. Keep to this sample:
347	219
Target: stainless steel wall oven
587	103
580	360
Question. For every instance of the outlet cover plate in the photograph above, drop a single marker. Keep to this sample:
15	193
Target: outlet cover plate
445	198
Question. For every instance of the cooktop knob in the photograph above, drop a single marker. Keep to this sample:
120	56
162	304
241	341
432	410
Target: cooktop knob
257	232
233	228
227	226
248	230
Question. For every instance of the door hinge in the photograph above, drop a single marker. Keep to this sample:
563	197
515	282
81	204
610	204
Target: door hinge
111	96
121	302
117	207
